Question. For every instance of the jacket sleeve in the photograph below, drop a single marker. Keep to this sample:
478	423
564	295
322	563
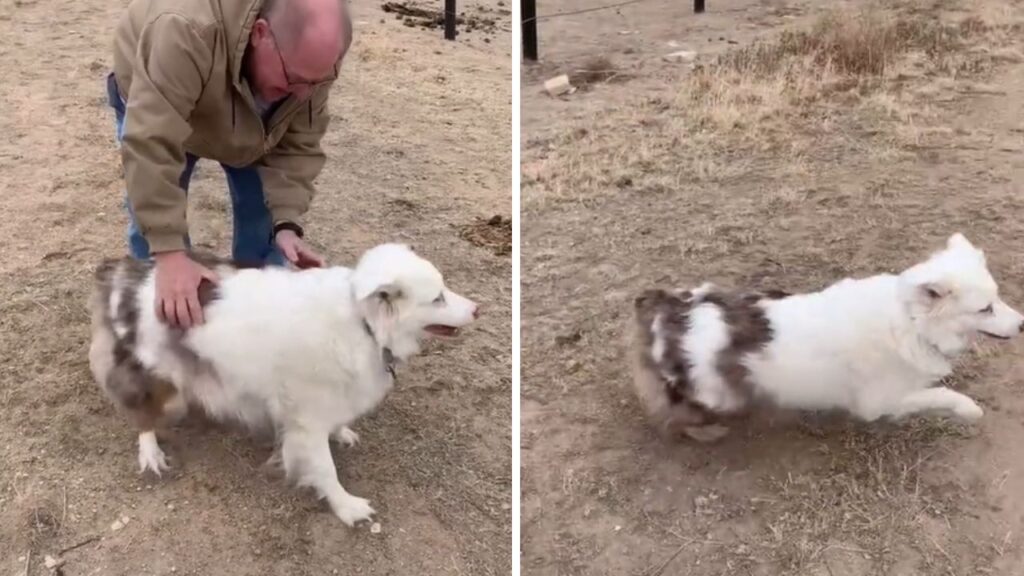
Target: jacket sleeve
167	80
291	166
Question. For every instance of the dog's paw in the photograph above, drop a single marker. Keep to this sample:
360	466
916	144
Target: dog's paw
968	410
151	457
347	436
352	510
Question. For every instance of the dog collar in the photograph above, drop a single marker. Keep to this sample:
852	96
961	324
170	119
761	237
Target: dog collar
387	356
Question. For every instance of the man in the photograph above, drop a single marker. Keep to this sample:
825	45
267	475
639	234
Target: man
241	82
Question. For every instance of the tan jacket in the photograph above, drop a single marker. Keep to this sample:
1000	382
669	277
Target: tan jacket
178	66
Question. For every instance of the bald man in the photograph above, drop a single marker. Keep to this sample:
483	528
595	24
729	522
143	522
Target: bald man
244	83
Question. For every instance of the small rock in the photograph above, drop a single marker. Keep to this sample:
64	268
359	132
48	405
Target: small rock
170	506
375	528
559	85
124	520
617	528
117	525
681	56
52	562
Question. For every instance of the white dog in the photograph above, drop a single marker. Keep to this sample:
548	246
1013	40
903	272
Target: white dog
303	352
873	347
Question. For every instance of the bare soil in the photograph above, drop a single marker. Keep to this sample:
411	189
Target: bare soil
782	166
434	460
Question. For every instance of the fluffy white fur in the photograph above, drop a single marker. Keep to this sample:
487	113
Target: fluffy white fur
290	350
874	347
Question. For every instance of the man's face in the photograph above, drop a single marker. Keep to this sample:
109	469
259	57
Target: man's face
277	70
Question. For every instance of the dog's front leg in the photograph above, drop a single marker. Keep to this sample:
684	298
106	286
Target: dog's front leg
938	399
346	436
307	459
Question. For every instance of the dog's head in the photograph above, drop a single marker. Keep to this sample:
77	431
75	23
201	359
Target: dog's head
403	297
953	298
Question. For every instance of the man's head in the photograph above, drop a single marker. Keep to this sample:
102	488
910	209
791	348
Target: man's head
295	44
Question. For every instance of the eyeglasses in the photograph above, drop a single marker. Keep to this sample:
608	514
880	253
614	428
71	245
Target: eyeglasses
300	84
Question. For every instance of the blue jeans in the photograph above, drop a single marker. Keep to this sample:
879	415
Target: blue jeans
251	241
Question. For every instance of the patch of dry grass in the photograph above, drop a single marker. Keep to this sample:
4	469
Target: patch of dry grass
595	70
847	55
869	77
871	499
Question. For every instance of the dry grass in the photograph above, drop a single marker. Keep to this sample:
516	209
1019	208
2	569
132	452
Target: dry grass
869	498
595	70
871	71
846	55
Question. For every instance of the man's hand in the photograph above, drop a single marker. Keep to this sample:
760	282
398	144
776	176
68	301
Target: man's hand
177	289
296	251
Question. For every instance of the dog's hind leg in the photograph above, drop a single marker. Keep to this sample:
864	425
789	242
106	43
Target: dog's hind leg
307	460
145	398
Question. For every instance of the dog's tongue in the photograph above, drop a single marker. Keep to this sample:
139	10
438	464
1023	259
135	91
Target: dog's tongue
441	330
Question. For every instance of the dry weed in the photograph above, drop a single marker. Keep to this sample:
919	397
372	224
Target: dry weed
868	77
844	53
595	70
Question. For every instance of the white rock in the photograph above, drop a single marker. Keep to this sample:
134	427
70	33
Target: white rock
558	85
52	562
375	528
117	525
681	56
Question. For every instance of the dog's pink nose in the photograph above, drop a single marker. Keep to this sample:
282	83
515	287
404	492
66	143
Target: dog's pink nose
476	312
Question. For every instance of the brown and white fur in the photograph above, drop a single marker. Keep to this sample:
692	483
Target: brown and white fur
874	347
301	353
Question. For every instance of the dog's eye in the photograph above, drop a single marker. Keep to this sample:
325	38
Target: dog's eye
986	310
439	299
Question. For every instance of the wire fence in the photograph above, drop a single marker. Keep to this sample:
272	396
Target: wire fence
530	18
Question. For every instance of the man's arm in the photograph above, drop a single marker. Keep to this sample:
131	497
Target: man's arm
167	80
288	170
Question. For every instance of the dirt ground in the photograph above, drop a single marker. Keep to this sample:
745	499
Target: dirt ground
791	176
419	152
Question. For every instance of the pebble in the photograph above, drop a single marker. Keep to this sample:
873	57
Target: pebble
52	562
119	524
681	56
375	528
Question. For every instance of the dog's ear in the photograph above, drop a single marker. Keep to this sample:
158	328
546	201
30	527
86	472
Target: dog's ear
959	241
387	293
933	291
